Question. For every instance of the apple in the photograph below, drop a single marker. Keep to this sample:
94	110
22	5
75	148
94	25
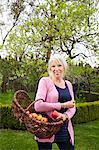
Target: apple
34	115
55	114
44	119
39	117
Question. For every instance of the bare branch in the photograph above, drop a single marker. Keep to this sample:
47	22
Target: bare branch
9	32
72	57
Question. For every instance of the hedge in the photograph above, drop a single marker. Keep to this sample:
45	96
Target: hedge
86	112
7	119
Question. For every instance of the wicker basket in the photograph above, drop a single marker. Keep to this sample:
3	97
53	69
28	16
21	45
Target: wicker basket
21	104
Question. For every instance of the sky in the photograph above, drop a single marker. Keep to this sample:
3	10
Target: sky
90	59
79	48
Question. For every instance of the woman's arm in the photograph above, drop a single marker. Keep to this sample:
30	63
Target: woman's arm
41	105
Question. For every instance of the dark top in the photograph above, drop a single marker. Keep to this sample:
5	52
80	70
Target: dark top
64	96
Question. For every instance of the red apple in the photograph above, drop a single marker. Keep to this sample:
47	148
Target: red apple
55	114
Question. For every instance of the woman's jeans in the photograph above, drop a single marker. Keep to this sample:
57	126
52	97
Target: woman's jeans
61	146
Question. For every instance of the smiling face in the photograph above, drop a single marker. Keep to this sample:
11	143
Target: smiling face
56	69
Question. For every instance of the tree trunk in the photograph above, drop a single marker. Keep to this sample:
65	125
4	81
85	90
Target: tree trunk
4	84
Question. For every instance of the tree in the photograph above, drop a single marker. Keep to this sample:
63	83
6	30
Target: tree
44	28
84	78
58	25
5	70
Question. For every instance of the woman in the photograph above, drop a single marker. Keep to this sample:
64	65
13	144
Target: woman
54	93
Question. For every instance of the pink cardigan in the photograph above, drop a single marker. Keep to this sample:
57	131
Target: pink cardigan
47	92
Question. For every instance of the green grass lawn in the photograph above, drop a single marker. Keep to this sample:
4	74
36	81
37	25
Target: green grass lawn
6	98
86	138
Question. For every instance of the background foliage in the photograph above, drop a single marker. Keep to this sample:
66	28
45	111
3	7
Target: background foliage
41	28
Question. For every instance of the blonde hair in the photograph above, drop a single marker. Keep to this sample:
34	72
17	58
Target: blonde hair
57	57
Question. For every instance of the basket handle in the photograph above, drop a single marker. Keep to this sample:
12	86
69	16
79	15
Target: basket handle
32	104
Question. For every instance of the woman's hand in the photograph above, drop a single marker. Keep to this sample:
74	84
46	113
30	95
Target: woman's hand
69	104
62	116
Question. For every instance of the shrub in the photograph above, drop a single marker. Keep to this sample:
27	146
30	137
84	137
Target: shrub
7	119
86	112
